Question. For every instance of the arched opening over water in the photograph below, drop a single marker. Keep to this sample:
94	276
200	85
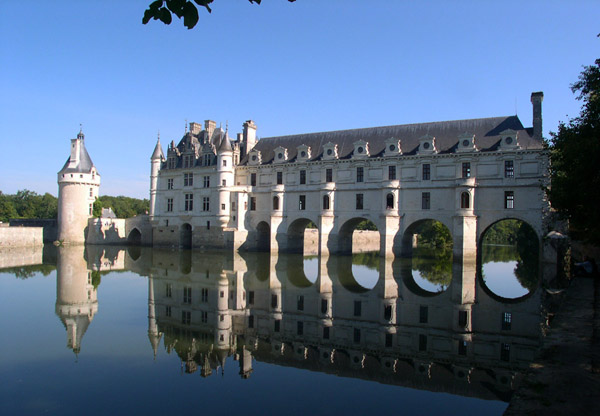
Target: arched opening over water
185	236
135	237
427	252
509	259
358	235
300	234
359	272
263	236
301	271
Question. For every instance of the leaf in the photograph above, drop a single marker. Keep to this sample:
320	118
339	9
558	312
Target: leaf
190	16
165	16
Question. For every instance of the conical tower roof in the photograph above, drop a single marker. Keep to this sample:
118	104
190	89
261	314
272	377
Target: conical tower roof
158	152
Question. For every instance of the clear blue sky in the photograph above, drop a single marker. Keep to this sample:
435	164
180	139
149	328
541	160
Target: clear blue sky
312	65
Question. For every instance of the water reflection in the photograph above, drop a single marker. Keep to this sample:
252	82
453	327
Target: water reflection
353	316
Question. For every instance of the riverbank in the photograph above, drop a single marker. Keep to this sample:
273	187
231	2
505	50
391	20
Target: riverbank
565	377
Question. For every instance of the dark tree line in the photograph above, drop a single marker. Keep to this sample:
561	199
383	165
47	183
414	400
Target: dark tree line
122	206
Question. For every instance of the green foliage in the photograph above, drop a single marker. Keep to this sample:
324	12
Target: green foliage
434	264
25	272
366	225
502	232
122	206
96	279
574	155
162	10
434	234
369	259
28	204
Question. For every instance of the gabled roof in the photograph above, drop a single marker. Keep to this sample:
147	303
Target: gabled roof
486	130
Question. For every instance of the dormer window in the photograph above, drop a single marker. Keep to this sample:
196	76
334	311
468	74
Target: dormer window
392	147
361	149
466	143
303	153
281	154
509	139
255	157
427	145
330	151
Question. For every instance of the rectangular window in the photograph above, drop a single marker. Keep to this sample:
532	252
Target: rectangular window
187	294
302	202
253	179
251	321
224	162
357	308
391	173
279	178
506	320
204	317
206	160
426	171
208	225
462	347
188	179
463	318
422	342
300	303
186	317
356	335
360	174
170	183
206	182
91	209
509	169
189	202
168	290
91	192
505	352
252	203
423	314
389	339
509	199
387	312
204	295
425	200
302	177
324	306
224	182
328	175
274	301
171	164
169	204
277	325
168	311
205	203
300	328
466	169
251	297
325	332
359	201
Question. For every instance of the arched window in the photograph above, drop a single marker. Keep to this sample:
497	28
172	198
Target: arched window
275	203
325	201
465	200
389	201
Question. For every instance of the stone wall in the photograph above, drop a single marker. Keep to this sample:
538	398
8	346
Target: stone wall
21	236
50	227
117	230
362	241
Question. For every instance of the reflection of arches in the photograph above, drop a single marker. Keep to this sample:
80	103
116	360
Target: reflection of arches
263	236
295	271
343	266
505	240
389	201
465	200
295	235
135	237
185	236
345	234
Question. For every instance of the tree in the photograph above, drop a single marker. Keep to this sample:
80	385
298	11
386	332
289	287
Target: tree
574	156
163	9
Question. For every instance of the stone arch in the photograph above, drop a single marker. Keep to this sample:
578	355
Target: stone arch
345	234
295	235
409	237
185	236
296	274
135	237
528	245
263	236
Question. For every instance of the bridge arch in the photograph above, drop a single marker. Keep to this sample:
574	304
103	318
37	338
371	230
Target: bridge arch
263	236
135	237
346	233
410	237
295	235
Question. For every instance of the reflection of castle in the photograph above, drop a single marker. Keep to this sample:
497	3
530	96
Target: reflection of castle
76	297
462	341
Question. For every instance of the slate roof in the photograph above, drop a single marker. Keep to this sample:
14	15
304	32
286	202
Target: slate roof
486	130
85	161
158	153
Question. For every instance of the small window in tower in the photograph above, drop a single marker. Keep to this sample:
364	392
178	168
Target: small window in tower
224	182
224	162
91	209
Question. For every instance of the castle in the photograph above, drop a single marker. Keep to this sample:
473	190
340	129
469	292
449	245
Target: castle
212	191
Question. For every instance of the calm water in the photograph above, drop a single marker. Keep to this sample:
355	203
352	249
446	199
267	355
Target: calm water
111	330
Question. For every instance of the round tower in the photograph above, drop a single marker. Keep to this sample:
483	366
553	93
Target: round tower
225	179
156	160
78	187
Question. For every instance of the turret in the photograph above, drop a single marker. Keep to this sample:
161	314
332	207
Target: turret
78	187
225	178
158	157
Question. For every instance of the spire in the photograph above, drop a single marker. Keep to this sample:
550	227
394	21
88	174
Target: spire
225	145
158	153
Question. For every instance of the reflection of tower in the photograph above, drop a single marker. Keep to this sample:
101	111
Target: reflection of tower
78	185
223	327
76	299
153	334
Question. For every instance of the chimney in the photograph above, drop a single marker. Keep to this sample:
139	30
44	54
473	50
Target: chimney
210	126
195	128
249	136
536	100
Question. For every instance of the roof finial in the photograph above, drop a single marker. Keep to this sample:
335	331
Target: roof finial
159	135
80	127
186	125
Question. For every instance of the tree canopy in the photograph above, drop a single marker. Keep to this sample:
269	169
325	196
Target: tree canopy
574	155
163	10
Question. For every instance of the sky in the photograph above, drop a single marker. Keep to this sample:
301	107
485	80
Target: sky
308	66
